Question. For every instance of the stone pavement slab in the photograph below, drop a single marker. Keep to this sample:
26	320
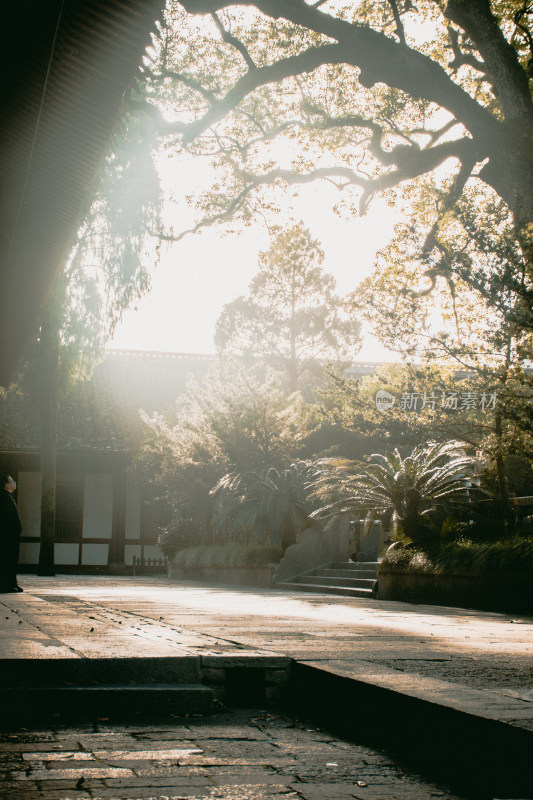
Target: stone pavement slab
84	617
483	703
239	755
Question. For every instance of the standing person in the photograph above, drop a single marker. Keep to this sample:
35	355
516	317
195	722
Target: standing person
10	529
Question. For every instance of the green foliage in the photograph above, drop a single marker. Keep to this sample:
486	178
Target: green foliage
111	261
109	265
507	557
104	274
230	422
347	408
418	490
227	555
475	269
472	268
292	316
272	505
181	532
519	475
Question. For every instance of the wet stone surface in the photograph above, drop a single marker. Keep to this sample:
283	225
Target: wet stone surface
235	755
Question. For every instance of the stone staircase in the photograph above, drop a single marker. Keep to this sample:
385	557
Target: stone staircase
86	689
349	578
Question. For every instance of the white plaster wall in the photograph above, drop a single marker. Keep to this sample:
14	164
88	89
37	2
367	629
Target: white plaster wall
95	554
29	553
133	509
98	507
131	550
29	503
66	553
152	551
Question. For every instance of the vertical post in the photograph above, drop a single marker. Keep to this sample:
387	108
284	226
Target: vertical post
48	373
117	545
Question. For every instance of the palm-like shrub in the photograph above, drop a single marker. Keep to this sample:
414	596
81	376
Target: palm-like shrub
419	490
272	505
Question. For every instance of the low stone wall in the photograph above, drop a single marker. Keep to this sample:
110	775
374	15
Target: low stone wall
466	590
238	576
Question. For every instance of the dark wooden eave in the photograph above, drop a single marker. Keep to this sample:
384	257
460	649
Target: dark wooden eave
67	65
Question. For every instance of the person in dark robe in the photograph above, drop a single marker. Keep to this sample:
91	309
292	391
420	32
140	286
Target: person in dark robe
10	530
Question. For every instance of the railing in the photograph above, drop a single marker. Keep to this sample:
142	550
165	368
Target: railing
150	566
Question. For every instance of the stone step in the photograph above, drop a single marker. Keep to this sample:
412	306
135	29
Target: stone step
346	573
90	671
353	583
102	701
326	589
371	566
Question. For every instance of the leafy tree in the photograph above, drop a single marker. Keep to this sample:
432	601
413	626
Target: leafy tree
232	422
292	315
369	95
272	504
478	275
344	421
418	490
105	273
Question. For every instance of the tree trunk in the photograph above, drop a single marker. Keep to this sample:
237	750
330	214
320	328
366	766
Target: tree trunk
289	534
504	504
293	361
49	366
505	512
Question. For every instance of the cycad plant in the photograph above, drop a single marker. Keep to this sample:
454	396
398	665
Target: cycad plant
418	490
274	504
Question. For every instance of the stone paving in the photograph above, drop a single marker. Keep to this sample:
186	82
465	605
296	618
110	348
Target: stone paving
477	663
479	658
240	755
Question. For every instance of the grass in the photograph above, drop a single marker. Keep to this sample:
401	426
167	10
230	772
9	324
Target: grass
227	555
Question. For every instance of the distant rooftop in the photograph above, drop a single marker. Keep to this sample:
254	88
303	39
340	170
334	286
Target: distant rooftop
101	415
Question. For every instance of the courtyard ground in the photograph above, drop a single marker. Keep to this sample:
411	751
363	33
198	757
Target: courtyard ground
436	666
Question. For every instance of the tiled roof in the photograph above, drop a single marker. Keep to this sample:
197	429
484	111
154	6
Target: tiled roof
101	415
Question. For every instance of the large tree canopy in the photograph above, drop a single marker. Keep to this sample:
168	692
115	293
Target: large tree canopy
369	95
292	316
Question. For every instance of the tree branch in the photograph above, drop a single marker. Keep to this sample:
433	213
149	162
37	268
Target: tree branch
460	58
191	83
412	162
412	167
450	200
234	42
163	126
507	77
524	12
379	58
269	178
307	61
328	123
434	136
398	20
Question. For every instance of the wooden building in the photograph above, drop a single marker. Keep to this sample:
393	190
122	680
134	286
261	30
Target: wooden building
102	517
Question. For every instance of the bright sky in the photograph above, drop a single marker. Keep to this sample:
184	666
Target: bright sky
197	276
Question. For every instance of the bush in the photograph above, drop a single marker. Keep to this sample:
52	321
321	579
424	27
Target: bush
174	538
227	555
503	557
